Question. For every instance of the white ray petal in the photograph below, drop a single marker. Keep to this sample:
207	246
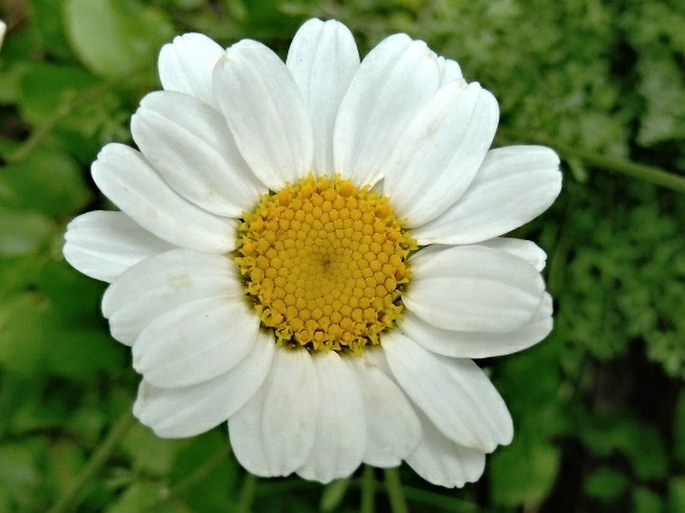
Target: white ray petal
514	185
196	342
189	411
186	65
265	112
159	284
473	288
452	392
341	428
103	244
323	58
127	179
273	433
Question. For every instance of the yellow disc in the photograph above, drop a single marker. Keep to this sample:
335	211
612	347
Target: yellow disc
325	264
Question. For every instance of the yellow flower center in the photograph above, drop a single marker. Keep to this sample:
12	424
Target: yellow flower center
324	264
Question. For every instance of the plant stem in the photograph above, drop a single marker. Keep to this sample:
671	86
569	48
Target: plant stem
440	501
192	479
368	490
247	494
65	110
644	172
393	487
101	455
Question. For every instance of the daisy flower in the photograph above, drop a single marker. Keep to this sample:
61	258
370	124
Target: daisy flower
312	252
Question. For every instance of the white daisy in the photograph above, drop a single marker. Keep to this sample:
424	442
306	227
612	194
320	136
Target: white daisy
311	251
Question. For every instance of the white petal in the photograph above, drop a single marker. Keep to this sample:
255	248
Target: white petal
442	462
191	147
438	155
524	249
124	176
189	411
392	428
196	342
341	428
266	113
392	84
161	283
323	58
473	288
186	65
514	185
450	71
453	393
273	433
464	344
103	245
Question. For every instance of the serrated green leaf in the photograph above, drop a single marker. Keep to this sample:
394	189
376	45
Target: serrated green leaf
115	37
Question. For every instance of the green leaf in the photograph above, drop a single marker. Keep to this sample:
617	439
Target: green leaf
22	233
67	462
48	19
524	472
643	447
20	472
149	453
193	455
45	87
115	37
76	296
138	497
606	484
48	182
646	501
38	340
679	429
676	494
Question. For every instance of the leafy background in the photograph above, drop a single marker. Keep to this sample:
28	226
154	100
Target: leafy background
599	406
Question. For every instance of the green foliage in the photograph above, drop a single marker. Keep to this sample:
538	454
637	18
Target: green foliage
537	466
606	484
598	407
115	37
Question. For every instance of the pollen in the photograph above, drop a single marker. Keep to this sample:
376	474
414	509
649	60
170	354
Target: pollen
324	264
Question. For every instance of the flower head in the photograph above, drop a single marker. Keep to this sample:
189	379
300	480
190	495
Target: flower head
312	251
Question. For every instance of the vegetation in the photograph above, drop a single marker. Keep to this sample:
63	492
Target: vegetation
599	406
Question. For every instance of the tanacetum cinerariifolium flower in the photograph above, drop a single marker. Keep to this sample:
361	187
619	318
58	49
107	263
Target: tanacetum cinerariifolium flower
312	252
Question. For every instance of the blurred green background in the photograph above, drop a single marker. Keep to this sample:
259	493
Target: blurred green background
599	407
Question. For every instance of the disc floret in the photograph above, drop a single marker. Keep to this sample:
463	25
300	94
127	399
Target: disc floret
324	264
